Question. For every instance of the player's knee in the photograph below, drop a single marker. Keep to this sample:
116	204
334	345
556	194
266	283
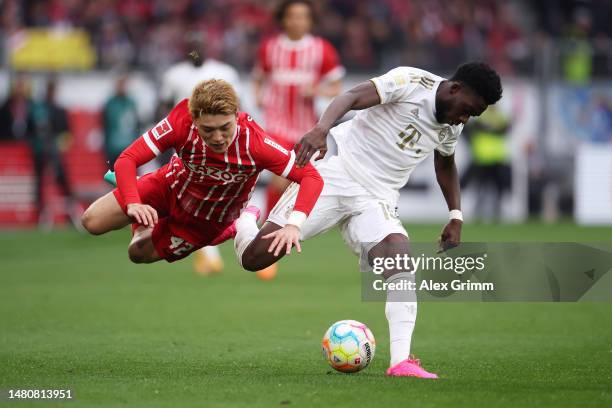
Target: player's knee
395	239
250	262
390	245
91	222
137	253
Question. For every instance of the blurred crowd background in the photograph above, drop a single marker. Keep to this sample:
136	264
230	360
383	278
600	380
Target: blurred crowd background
75	57
370	35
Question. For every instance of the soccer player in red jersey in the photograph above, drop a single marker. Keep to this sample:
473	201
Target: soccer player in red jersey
292	69
194	200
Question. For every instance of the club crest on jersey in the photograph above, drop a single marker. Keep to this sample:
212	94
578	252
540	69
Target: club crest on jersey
217	174
276	146
444	133
161	129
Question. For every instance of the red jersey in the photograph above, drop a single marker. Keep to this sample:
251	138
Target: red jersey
289	66
208	185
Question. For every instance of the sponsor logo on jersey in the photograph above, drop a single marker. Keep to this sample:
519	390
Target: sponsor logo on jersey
399	80
291	76
276	146
161	129
217	174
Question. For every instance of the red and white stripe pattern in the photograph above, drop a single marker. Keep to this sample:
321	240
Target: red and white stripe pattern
291	67
213	186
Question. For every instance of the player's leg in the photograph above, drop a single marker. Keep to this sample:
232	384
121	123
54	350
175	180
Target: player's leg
250	246
376	229
255	255
109	213
104	215
142	248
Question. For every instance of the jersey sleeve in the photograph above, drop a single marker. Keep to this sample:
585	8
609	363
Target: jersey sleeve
168	133
448	146
331	70
396	85
270	155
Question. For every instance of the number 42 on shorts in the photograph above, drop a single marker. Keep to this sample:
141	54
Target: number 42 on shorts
179	246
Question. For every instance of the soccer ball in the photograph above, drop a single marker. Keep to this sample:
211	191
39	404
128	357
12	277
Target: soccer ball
348	346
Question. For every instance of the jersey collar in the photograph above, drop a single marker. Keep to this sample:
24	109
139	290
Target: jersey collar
431	100
294	45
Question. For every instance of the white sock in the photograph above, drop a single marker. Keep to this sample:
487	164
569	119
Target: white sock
401	312
246	231
211	252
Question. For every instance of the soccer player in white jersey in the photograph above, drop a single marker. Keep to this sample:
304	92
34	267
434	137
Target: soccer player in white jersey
177	84
405	115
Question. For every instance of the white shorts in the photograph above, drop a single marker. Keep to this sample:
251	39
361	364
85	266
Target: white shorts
364	220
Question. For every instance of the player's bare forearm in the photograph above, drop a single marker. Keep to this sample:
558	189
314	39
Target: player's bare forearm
360	97
448	180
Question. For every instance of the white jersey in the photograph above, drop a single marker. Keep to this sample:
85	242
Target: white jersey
381	145
180	79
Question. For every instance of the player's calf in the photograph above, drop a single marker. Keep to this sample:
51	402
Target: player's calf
392	245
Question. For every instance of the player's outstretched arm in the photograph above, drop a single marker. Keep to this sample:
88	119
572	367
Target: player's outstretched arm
311	185
360	97
448	179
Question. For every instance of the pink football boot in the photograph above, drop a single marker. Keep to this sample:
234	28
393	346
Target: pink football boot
411	367
230	232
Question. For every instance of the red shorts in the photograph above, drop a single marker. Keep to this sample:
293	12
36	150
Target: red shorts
178	233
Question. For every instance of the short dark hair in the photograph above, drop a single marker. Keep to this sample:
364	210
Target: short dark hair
480	77
281	10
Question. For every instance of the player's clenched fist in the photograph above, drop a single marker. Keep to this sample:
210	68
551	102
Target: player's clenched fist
451	235
143	214
284	238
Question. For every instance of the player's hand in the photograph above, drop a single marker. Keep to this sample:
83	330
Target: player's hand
451	235
284	239
143	214
313	141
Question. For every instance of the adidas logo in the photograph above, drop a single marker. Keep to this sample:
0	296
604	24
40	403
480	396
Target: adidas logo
415	112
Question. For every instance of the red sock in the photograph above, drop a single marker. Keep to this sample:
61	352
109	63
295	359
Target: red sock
272	197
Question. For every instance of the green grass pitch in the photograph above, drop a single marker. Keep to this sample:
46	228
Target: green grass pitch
76	314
